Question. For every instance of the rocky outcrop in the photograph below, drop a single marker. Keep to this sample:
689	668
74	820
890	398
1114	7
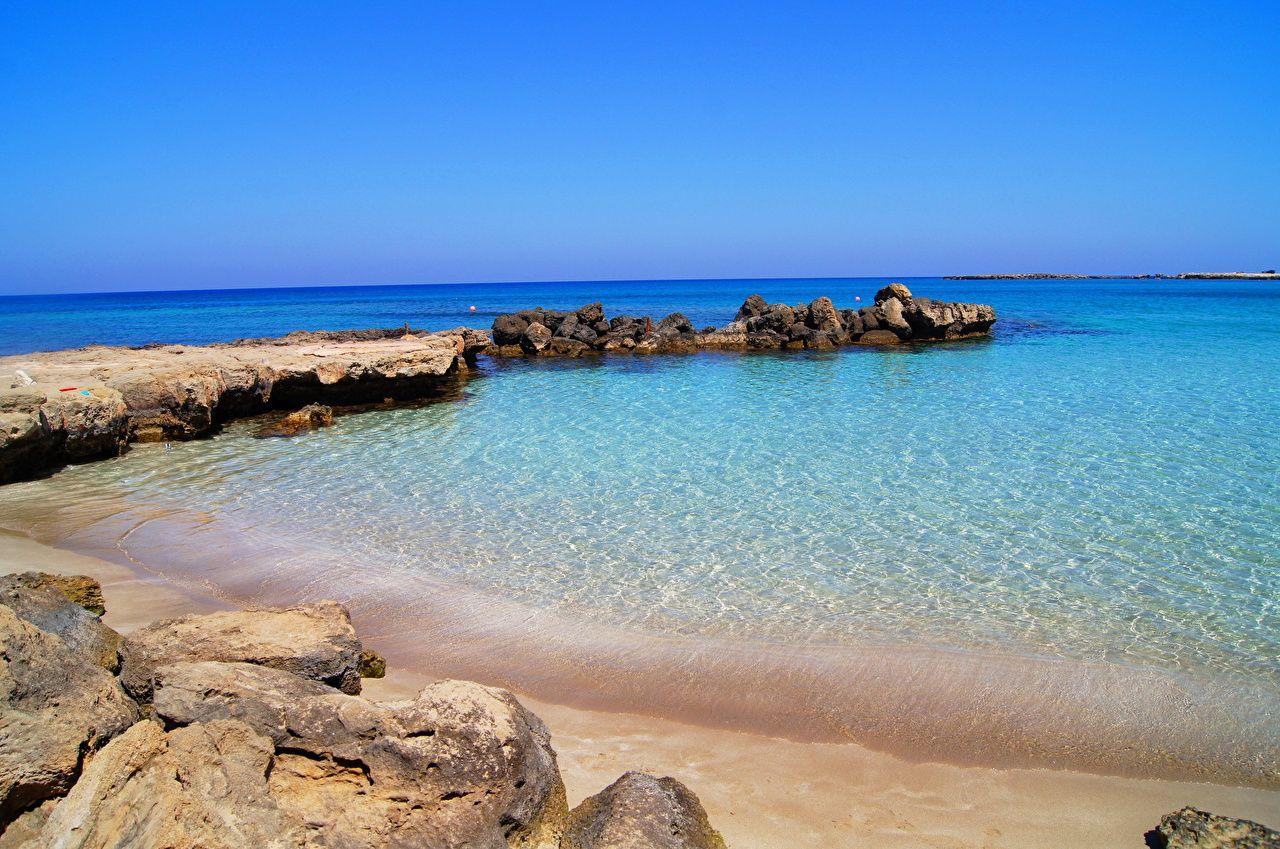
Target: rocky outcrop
91	402
310	417
1190	828
248	744
52	612
314	641
640	811
459	765
56	709
895	318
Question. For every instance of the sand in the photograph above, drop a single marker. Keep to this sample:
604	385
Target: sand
764	792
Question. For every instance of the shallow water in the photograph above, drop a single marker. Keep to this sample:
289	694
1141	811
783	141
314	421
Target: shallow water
1097	483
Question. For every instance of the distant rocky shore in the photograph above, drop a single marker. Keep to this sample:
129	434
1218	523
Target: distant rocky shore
1188	275
896	317
248	728
62	407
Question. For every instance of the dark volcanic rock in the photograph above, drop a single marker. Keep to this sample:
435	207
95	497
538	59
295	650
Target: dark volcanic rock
640	811
507	329
1190	828
535	338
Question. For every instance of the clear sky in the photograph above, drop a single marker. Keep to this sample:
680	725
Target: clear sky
184	145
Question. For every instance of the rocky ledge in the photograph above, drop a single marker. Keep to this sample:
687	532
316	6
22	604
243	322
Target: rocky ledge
896	317
247	728
68	406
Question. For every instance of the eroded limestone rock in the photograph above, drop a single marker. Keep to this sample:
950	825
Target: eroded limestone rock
314	641
640	811
56	709
51	611
1191	828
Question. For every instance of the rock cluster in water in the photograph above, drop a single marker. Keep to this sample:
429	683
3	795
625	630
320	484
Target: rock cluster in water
69	406
247	728
896	317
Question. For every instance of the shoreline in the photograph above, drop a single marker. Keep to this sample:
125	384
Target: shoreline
764	791
981	709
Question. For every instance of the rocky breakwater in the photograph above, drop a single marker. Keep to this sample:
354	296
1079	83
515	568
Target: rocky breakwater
247	728
896	317
69	406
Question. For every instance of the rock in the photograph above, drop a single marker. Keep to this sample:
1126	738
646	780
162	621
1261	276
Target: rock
118	395
372	664
822	315
507	329
459	765
879	337
639	811
314	641
55	710
591	313
52	612
310	417
894	291
675	323
203	787
81	589
1190	828
535	338
561	347
753	306
891	317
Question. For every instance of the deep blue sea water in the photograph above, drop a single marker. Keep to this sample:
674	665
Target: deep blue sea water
1100	481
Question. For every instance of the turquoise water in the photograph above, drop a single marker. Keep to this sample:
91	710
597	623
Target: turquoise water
1097	482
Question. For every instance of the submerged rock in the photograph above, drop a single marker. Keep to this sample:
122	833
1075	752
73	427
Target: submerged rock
314	641
640	811
1190	828
310	417
55	710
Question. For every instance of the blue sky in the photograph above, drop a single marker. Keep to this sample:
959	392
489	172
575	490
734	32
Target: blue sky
214	145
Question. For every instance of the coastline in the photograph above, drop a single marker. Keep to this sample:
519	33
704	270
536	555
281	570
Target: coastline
765	791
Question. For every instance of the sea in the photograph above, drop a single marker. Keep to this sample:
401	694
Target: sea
1098	483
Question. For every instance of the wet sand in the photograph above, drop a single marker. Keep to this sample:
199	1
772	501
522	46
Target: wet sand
764	791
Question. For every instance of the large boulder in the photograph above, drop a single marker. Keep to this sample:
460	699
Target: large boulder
753	306
56	710
459	765
51	611
879	337
314	641
535	338
894	292
640	811
822	315
507	329
1190	828
202	787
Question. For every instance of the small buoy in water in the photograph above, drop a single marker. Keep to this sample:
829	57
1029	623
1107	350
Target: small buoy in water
472	308
857	297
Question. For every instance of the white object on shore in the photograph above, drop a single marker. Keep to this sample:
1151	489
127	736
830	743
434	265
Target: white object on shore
24	377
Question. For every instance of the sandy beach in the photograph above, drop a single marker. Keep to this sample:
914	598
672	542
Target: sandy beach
765	791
